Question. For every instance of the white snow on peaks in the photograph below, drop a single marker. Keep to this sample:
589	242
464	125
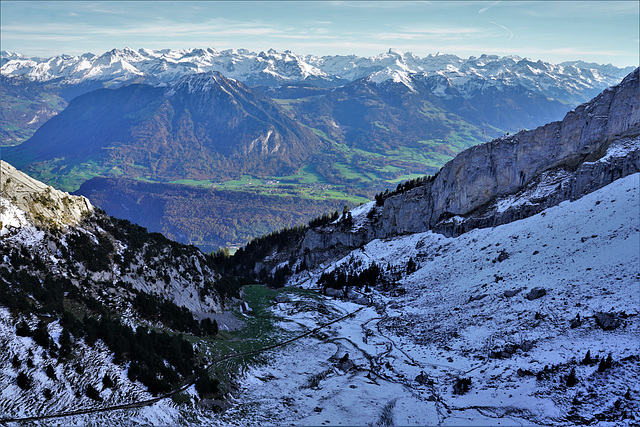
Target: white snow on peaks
396	76
200	83
273	68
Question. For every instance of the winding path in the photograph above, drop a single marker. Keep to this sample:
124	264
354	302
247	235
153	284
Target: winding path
188	383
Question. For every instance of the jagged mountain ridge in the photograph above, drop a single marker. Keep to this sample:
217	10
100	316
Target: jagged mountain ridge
506	165
209	128
66	76
579	81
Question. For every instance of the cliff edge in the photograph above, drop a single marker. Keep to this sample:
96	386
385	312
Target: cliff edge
42	205
507	179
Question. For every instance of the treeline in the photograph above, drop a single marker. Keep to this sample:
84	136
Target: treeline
242	263
154	250
344	279
352	275
145	350
207	217
170	314
323	219
404	187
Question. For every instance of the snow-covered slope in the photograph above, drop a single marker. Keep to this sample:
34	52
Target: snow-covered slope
73	281
570	82
469	310
69	381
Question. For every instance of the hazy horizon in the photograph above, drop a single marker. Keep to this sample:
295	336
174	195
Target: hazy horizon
553	31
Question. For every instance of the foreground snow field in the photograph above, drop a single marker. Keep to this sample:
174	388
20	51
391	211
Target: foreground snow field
453	321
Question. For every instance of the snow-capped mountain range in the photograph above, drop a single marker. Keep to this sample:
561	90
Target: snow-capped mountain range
570	82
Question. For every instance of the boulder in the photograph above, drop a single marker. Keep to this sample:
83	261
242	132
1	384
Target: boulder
607	321
512	293
536	293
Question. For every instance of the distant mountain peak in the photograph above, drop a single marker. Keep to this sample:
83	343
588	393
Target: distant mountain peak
200	83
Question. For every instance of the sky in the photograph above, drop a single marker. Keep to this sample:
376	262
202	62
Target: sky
554	31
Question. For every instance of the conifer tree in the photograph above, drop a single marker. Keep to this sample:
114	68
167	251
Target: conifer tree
571	378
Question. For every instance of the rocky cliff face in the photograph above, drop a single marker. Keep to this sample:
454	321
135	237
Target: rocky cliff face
65	236
509	178
505	166
44	205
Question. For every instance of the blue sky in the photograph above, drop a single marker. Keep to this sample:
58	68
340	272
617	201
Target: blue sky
554	31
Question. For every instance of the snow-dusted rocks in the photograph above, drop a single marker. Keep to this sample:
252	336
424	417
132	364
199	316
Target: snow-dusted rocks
42	205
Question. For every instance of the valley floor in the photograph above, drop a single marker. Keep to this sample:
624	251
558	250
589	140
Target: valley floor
453	320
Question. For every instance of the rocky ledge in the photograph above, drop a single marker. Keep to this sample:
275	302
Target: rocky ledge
43	205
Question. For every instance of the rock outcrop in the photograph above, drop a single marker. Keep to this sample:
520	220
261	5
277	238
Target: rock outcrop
44	205
66	237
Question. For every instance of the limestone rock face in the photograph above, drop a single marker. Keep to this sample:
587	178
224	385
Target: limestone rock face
509	178
550	189
325	243
505	166
45	206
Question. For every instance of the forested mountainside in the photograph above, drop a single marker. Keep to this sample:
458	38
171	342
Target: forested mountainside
38	88
208	218
95	310
203	127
